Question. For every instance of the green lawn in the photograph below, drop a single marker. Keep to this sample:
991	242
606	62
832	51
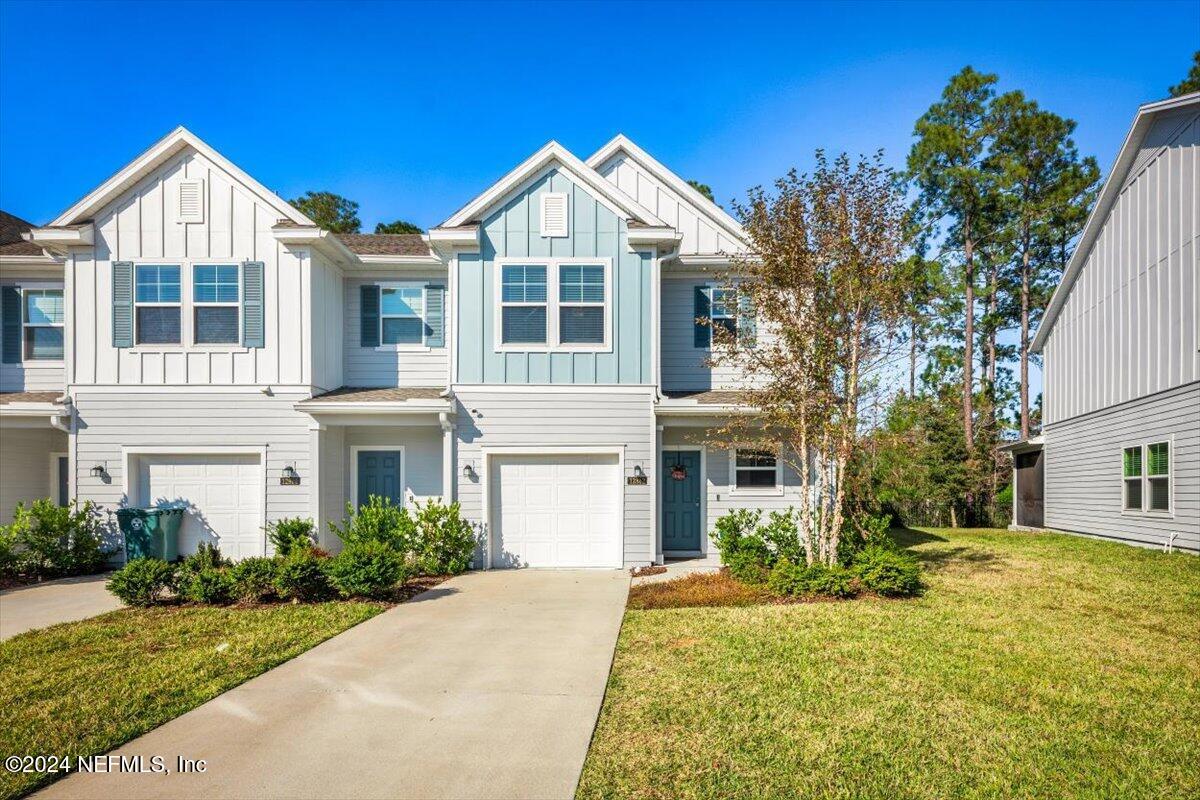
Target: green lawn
1034	666
85	687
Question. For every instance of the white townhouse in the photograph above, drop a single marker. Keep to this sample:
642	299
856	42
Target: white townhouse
183	335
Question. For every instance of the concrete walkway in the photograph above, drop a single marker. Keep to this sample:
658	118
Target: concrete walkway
487	686
43	604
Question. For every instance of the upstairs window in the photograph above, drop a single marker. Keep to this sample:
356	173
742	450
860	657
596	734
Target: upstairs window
581	304
756	469
523	304
1158	476
157	305
42	322
401	315
216	301
723	312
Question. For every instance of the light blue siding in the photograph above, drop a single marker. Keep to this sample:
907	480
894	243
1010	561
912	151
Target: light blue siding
512	232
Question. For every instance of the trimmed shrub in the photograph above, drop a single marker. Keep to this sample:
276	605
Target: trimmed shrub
748	566
8	552
47	540
209	585
861	530
142	582
302	576
781	536
379	520
888	572
366	569
285	535
445	541
732	529
817	579
253	579
785	577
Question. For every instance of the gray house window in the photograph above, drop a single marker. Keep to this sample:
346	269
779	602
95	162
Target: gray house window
1132	472
43	324
216	301
158	305
1146	472
1158	475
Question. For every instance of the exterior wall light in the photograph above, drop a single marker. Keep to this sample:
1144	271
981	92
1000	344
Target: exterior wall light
98	471
290	473
638	471
468	471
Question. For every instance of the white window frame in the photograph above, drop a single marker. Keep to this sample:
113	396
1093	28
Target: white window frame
777	489
552	304
186	304
1145	478
195	304
555	233
713	288
26	324
404	346
184	281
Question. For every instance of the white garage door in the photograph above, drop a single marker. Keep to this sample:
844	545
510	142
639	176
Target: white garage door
555	511
222	494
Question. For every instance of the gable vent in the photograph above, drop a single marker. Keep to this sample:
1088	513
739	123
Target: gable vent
554	214
191	201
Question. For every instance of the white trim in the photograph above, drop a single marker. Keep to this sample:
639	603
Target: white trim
552	152
130	453
355	449
564	230
53	493
555	388
552	304
704	543
22	289
487	452
756	491
405	346
1144	479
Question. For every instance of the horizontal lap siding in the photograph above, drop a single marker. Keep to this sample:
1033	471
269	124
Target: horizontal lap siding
32	376
25	465
191	420
422	456
595	418
1083	469
366	366
682	365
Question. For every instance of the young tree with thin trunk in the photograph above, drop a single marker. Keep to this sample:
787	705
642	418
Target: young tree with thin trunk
825	289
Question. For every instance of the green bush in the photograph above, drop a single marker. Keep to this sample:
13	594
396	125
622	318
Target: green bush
748	566
379	520
445	542
861	530
366	569
732	528
253	579
787	578
888	572
302	576
142	582
8	551
49	540
289	533
781	535
209	585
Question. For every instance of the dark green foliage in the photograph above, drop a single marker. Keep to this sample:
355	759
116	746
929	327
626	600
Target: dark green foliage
1192	82
781	535
366	569
253	579
703	188
289	533
378	520
330	211
142	582
748	565
46	540
888	572
210	585
302	576
732	528
399	226
445	541
797	579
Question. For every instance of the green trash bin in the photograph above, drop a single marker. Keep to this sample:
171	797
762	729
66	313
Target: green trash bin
150	532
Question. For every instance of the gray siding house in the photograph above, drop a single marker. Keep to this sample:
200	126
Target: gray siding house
1120	446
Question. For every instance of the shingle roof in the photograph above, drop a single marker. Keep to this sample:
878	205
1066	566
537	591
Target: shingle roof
385	244
28	397
708	398
359	394
11	243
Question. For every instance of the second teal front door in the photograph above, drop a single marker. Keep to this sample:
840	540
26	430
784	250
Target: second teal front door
682	497
379	474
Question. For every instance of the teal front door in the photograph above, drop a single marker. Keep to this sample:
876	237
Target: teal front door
379	474
682	496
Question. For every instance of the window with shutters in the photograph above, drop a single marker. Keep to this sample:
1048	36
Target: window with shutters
191	201
157	304
401	314
216	304
553	304
42	324
555	214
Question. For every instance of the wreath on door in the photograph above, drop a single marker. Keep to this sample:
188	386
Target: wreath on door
678	472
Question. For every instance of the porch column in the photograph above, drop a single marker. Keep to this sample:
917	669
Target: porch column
446	419
315	430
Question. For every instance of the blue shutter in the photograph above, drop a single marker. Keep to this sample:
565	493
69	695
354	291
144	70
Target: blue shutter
122	285
369	316
435	316
253	324
10	311
746	328
703	307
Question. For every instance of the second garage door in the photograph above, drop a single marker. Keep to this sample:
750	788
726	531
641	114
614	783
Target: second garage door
222	494
555	511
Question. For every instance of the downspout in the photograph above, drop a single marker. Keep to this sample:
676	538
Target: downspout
671	255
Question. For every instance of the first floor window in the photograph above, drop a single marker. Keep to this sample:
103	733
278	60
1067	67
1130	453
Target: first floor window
523	304
1132	471
401	315
756	469
157	304
1158	476
581	304
216	297
43	324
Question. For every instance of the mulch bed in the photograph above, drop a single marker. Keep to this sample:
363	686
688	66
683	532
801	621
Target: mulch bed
652	569
710	589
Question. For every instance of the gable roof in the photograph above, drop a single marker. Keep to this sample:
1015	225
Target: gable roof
1127	157
385	244
581	173
158	154
11	243
623	144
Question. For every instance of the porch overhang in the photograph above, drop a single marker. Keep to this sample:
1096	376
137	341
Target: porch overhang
31	409
710	403
350	401
1030	445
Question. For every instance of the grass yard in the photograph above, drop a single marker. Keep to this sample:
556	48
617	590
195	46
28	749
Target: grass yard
1034	666
85	687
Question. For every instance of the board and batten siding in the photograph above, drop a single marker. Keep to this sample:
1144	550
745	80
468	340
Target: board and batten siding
140	225
328	313
390	365
25	468
513	231
700	234
33	376
589	418
1084	469
682	363
186	422
1128	328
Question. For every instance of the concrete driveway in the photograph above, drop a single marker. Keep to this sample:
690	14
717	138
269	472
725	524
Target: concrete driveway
487	686
43	604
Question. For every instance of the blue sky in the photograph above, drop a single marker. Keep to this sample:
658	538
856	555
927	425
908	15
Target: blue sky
413	109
